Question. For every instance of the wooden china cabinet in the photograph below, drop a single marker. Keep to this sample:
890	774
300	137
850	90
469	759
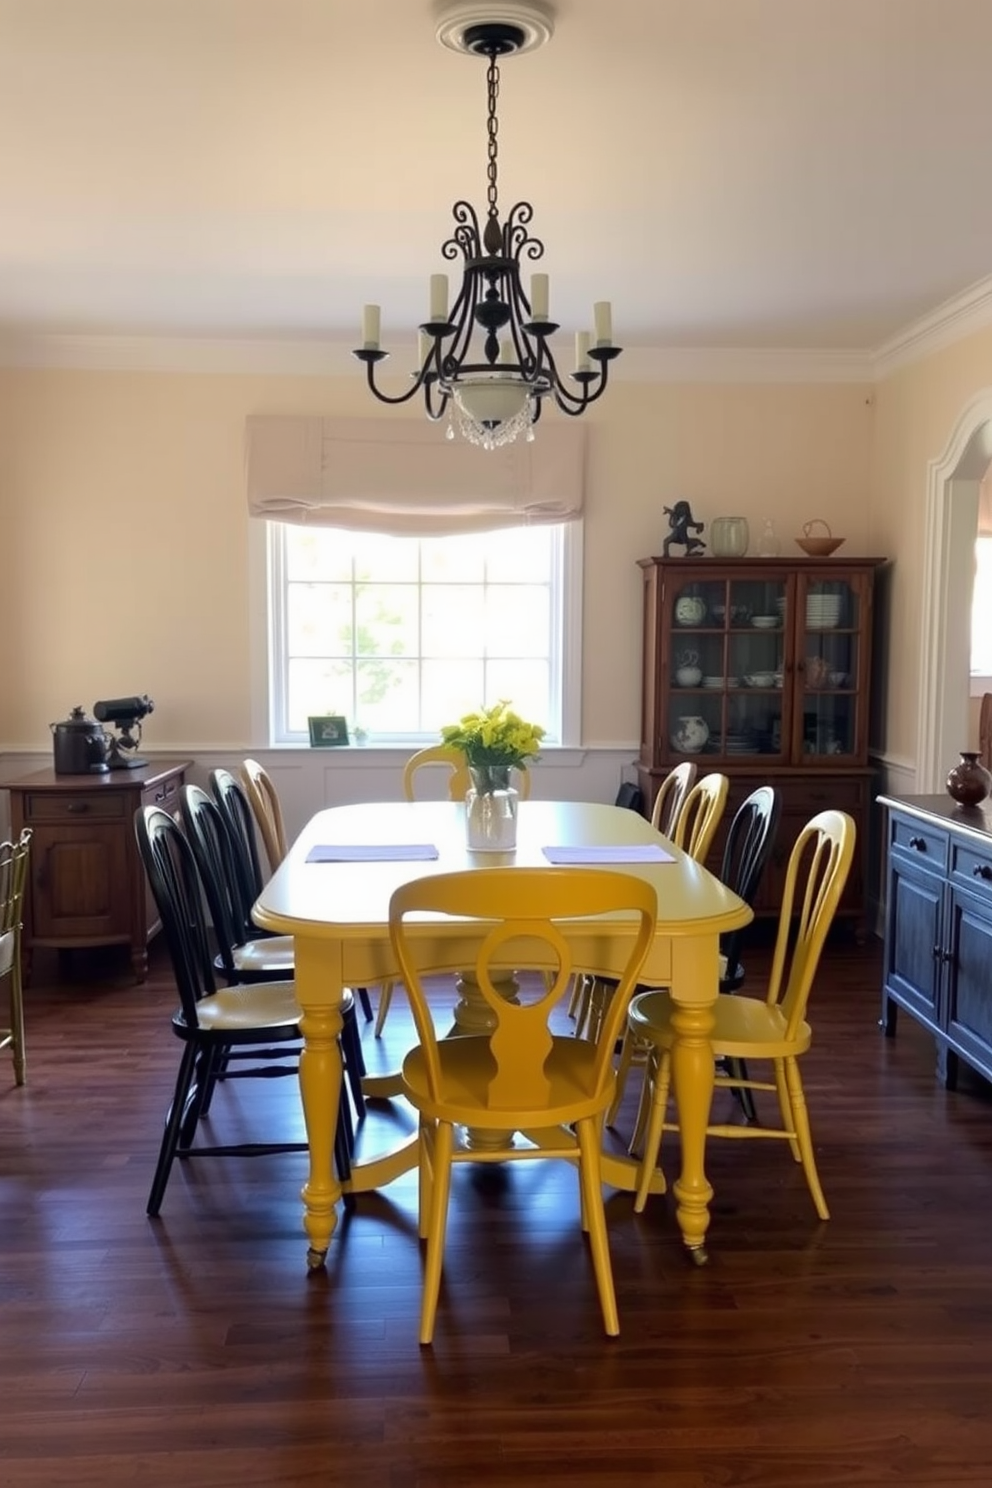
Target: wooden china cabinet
759	668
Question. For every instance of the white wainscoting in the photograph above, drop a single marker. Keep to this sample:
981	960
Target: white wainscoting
895	777
308	779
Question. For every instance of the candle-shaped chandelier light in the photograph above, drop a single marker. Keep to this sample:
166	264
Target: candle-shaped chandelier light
486	361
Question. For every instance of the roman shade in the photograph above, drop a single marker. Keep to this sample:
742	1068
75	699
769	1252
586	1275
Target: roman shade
404	477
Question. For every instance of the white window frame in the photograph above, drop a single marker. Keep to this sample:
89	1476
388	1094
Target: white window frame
267	589
980	684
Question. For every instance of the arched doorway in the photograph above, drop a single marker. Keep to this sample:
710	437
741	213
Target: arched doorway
948	573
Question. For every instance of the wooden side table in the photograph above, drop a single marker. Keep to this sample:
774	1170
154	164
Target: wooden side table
87	883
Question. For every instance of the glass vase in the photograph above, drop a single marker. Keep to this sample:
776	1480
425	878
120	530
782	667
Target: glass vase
491	809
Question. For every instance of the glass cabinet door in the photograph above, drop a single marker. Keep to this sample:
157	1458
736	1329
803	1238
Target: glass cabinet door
830	615
728	640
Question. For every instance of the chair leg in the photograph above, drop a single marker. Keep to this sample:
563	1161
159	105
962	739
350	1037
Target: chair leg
628	1052
425	1175
344	1139
354	1059
591	1180
385	998
362	994
644	1101
170	1137
785	1107
444	1135
800	1125
737	1070
656	1121
17	1024
582	1002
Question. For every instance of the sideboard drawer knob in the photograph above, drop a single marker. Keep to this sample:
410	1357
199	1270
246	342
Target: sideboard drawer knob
919	843
982	870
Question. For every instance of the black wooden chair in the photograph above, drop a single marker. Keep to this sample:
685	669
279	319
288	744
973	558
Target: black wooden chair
269	958
235	807
746	852
228	1032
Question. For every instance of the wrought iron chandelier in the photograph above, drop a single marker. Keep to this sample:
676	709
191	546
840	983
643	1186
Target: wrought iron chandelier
486	362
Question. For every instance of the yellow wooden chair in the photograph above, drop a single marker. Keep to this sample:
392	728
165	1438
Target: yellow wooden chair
700	816
264	801
671	797
263	798
13	880
521	1091
459	781
749	1029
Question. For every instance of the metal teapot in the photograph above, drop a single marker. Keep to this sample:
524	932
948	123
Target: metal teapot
81	746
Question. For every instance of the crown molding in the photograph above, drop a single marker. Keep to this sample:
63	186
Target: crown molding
941	327
310	358
952	321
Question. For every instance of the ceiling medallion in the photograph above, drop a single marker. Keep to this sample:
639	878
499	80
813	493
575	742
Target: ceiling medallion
486	362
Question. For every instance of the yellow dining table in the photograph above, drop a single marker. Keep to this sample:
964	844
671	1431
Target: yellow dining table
337	909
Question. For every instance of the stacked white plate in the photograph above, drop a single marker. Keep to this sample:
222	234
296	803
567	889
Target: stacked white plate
822	611
714	681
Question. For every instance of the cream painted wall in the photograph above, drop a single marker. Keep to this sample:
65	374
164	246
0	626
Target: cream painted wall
916	411
124	534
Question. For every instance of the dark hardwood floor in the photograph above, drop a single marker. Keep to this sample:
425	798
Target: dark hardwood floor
196	1349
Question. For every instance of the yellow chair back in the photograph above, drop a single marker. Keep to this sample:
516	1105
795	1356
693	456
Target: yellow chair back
700	816
819	864
671	797
459	779
264	802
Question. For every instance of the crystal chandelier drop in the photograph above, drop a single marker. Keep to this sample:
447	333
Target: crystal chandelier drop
486	362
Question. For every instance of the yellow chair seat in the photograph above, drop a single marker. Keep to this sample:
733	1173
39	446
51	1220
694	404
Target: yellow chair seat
743	1027
274	954
467	1068
262	1005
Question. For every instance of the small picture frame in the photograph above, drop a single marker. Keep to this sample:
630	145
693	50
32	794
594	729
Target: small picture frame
328	732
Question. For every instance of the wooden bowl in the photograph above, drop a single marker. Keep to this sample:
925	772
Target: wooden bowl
820	547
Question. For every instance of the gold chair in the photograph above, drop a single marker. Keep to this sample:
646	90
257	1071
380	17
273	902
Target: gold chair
263	798
700	816
459	782
13	880
264	801
748	1029
671	797
520	1078
459	779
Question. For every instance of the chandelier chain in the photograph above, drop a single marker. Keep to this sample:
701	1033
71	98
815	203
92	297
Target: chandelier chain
492	81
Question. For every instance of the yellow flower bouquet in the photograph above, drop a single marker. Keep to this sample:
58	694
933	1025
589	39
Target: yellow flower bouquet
493	741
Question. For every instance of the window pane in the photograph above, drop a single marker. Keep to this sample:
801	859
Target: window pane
386	616
319	619
403	635
454	620
981	610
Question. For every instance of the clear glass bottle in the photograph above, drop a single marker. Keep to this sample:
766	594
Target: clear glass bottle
768	543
